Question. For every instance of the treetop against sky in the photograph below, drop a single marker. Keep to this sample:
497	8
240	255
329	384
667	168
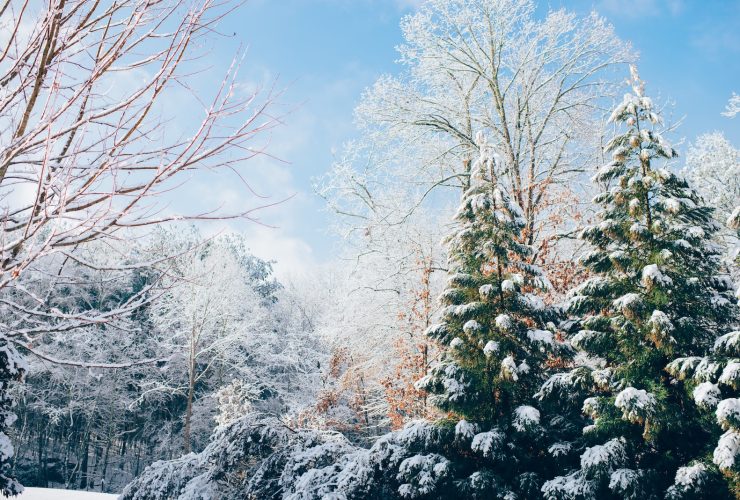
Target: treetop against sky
325	53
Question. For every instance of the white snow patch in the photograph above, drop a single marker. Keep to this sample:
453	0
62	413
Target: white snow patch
607	456
508	286
6	447
540	336
727	450
560	449
622	479
692	475
591	407
534	302
636	404
695	232
58	494
487	443
728	343
526	417
509	369
602	377
731	374
490	348
465	429
651	275
707	395
672	205
485	291
728	413
666	255
504	322
660	323
627	301
471	326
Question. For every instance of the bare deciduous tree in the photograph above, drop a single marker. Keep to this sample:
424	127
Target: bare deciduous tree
84	148
212	318
533	84
93	133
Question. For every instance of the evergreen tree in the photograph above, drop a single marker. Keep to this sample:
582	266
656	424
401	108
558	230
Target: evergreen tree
498	341
656	293
714	383
495	352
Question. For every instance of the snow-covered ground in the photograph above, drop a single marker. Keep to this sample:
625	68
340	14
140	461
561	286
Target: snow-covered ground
54	494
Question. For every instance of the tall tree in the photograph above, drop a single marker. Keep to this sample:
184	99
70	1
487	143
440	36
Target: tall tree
532	83
497	349
713	169
208	319
374	307
416	352
494	350
86	88
657	291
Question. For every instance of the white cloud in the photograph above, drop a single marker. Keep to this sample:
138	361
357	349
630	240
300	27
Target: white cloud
641	8
292	255
409	4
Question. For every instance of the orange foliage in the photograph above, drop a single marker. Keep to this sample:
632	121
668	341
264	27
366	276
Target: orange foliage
340	405
414	353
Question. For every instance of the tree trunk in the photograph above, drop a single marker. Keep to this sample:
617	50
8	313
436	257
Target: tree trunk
105	460
96	463
83	470
42	465
138	459
189	412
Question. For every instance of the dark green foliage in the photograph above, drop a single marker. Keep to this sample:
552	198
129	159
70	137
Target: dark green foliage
656	292
492	321
499	341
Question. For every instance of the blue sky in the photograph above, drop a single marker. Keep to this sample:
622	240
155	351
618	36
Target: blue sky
324	53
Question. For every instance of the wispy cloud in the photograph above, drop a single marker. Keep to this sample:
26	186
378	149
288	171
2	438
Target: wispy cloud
719	37
409	4
641	8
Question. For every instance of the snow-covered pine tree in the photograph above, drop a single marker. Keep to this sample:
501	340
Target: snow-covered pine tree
497	337
714	383
656	292
490	315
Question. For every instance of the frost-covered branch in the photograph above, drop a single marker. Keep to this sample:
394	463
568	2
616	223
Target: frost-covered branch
83	364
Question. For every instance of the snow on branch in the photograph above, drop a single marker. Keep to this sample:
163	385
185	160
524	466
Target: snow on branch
84	364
